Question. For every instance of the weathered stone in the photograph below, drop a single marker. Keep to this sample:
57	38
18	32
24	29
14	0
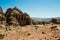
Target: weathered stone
27	19
1	12
17	17
2	17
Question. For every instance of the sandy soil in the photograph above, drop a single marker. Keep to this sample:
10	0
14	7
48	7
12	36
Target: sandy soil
30	32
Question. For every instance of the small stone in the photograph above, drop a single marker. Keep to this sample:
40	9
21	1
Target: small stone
43	32
28	34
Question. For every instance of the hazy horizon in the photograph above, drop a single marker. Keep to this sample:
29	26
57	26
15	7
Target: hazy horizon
35	8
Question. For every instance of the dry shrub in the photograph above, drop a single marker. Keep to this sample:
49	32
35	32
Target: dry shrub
1	36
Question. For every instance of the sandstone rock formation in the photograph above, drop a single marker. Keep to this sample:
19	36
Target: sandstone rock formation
14	16
1	12
11	17
2	17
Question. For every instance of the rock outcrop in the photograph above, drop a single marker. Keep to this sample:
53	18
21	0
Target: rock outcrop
15	17
2	17
1	12
11	17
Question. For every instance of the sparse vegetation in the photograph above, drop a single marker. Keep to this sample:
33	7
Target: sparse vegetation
54	28
2	36
43	23
54	21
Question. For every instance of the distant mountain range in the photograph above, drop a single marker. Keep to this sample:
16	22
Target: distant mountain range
43	19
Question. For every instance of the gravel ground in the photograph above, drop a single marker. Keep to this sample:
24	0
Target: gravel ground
30	32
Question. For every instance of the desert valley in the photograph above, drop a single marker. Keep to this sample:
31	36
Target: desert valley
17	25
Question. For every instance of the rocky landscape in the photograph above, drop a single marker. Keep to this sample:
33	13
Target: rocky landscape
14	16
16	25
30	32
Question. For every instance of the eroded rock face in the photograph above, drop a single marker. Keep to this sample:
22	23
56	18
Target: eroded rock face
11	17
27	19
17	17
12	21
2	17
14	17
1	12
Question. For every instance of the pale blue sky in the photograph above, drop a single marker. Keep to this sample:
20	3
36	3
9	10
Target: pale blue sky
35	8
